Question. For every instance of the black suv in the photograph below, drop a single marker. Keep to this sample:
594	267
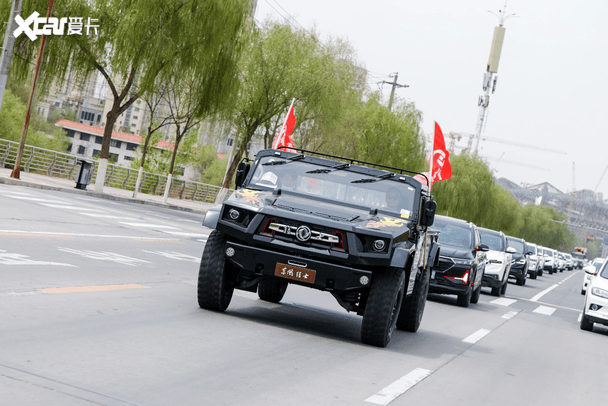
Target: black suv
328	223
519	265
462	260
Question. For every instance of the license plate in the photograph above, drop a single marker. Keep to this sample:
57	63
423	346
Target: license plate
295	272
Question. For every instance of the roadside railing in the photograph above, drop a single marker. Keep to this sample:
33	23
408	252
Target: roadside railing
61	165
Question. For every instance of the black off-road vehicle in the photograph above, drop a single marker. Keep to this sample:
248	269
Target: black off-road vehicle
354	229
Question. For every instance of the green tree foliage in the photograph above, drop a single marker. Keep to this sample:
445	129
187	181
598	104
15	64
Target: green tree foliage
368	131
471	194
280	65
141	41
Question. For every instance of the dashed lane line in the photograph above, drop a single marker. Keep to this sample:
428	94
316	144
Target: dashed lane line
510	315
146	225
544	310
399	387
543	293
476	336
51	234
98	288
503	301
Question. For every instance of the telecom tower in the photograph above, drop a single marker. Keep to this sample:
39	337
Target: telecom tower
490	78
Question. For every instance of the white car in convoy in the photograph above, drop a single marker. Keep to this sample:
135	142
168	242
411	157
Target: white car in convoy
534	265
596	300
591	270
498	261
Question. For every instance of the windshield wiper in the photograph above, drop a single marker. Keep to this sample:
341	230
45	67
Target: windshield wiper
290	159
376	179
333	168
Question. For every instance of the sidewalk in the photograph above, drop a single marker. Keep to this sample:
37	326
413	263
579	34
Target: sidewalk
69	186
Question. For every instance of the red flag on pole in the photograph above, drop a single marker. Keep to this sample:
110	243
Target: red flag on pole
439	162
284	138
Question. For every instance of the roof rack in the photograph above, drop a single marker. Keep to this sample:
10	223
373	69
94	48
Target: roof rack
352	161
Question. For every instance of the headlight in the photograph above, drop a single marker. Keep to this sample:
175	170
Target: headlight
463	261
599	292
520	262
495	261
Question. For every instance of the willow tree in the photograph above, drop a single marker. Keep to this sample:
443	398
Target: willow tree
282	64
134	43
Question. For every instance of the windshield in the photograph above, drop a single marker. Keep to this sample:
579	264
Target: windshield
604	271
495	242
579	256
336	184
453	234
518	245
532	249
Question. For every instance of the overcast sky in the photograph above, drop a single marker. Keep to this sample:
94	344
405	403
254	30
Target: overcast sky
552	89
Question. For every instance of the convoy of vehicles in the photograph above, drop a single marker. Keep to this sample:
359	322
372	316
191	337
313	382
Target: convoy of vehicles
368	235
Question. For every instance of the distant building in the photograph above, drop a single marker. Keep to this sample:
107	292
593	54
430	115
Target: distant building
86	142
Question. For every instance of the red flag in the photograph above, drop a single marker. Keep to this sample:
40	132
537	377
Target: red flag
284	137
439	163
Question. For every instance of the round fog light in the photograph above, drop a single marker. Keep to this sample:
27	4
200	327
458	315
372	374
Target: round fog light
379	245
364	280
595	307
234	214
230	252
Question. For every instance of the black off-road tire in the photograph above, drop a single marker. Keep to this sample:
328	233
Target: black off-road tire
521	281
533	275
464	300
272	290
412	307
215	284
476	294
383	306
496	290
586	324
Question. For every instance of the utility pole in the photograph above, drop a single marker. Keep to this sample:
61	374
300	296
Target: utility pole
7	48
489	78
394	84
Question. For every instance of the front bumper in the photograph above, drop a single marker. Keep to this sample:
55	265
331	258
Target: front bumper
517	272
491	280
599	315
327	276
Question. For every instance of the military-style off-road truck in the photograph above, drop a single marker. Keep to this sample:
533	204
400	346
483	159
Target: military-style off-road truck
351	228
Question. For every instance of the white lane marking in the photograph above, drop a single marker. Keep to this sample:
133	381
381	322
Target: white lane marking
13	294
36	199
148	225
174	255
503	301
478	335
190	221
19	259
107	216
106	256
65	206
10	193
194	235
543	293
509	315
399	387
580	317
544	310
133	237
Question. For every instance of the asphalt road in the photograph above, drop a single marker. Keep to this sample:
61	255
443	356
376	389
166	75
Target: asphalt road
98	307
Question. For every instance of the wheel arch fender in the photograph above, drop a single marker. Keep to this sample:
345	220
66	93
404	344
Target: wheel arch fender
212	216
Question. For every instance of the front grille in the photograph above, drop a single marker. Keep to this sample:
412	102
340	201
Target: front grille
307	235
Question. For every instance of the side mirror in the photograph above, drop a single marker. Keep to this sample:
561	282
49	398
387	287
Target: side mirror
590	271
241	173
427	217
483	248
511	250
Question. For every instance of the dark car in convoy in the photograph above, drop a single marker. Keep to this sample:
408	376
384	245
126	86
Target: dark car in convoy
353	229
519	266
462	260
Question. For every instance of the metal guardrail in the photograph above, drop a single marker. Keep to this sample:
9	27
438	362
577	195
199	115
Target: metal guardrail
61	165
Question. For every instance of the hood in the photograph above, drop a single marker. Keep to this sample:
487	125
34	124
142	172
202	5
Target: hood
290	203
455	252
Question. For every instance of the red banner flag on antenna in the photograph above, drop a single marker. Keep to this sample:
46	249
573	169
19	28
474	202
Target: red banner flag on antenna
439	162
284	138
